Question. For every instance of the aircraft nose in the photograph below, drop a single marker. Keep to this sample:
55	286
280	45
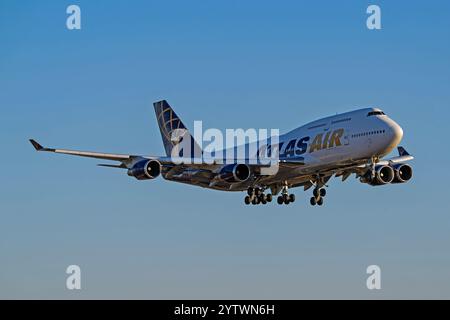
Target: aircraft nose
396	133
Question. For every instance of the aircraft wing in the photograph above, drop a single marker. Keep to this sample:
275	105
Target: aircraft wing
403	156
212	165
97	155
127	160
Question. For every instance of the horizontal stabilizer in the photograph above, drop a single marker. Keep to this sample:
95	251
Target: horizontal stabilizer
402	151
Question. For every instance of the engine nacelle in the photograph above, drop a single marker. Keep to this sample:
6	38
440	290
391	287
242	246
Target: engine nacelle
403	173
383	175
233	173
145	170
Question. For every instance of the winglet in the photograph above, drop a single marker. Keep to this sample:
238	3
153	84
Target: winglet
36	145
402	152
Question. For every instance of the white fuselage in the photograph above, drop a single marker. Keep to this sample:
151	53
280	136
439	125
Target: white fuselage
347	138
344	139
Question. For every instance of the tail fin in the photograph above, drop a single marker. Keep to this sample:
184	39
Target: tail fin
169	122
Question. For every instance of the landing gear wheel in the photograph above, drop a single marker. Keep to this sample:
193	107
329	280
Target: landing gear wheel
255	201
263	201
313	201
269	197
316	192
323	192
247	200
320	201
292	197
250	191
285	198
280	200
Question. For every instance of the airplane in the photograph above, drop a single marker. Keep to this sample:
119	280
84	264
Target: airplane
309	156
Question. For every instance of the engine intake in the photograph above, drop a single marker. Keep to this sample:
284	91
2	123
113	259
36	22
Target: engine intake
145	170
383	175
235	173
403	173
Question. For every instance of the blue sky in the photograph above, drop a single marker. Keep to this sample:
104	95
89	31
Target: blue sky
231	64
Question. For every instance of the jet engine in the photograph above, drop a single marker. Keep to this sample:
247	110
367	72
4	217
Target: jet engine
383	175
403	172
145	170
233	173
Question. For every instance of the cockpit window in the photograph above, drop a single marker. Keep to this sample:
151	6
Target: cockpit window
376	113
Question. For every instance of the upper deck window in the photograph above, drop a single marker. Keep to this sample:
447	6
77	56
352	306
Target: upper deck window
317	126
341	120
376	113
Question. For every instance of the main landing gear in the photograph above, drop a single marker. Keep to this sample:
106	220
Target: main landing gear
318	195
257	196
285	197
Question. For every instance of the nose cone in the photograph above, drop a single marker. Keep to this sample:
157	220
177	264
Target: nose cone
396	133
392	137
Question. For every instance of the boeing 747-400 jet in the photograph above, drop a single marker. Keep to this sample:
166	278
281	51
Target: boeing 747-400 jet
308	156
